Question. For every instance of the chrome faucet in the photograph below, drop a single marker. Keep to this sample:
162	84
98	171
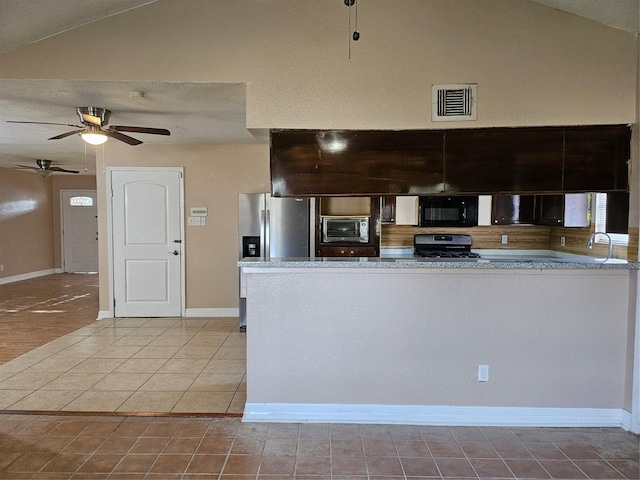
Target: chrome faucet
593	235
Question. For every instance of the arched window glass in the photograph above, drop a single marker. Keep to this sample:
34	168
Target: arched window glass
81	202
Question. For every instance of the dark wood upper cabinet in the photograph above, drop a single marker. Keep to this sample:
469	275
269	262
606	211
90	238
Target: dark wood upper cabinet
513	209
494	160
356	163
528	160
596	158
617	212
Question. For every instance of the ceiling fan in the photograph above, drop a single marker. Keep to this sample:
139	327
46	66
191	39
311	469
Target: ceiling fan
93	120
46	168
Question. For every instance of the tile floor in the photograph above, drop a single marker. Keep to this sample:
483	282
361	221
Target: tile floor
133	365
120	447
137	399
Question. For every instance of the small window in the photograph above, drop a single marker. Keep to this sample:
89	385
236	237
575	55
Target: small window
601	222
81	202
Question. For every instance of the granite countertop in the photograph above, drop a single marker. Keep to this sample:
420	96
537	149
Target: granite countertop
490	260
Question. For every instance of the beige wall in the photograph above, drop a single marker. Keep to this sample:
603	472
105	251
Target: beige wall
26	223
551	338
534	66
30	236
213	177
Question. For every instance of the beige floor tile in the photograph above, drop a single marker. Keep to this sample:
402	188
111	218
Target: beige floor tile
18	364
160	322
221	325
184	365
156	352
28	379
208	340
151	402
117	352
203	402
149	331
96	343
141	365
98	365
194	322
235	340
237	402
98	401
74	381
135	340
122	381
193	352
169	382
115	332
230	353
46	400
167	340
57	363
9	397
217	382
131	322
226	366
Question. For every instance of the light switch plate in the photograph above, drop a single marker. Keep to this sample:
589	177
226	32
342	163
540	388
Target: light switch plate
193	221
199	211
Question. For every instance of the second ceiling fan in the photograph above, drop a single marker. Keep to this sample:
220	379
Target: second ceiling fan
93	120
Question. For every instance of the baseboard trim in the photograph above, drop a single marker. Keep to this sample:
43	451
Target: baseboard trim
26	276
102	314
212	312
436	415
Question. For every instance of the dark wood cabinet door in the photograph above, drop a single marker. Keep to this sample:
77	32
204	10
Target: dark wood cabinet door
513	209
497	160
347	251
596	158
550	210
617	212
356	163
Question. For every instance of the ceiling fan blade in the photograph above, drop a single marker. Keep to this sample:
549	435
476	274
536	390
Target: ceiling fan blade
68	134
150	131
46	123
58	169
24	166
122	137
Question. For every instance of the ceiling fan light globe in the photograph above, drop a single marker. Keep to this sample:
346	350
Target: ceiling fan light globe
94	138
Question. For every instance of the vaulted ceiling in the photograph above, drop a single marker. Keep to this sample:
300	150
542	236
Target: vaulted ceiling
195	113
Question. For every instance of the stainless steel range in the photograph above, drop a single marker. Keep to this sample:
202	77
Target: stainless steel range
449	246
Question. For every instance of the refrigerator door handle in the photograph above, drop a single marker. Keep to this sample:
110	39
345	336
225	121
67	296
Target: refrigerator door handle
263	228
267	234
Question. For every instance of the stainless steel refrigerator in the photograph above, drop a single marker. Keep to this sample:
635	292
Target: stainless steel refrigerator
271	227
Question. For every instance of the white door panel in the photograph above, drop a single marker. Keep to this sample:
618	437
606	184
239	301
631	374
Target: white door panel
79	231
147	248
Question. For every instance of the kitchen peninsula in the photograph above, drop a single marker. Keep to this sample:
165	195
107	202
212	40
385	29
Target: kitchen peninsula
400	340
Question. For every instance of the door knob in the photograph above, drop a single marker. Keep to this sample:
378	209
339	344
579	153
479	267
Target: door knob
175	252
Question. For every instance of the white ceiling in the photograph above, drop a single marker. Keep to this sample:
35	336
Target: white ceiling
195	113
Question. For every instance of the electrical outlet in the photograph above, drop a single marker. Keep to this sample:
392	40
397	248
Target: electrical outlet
562	241
505	239
483	373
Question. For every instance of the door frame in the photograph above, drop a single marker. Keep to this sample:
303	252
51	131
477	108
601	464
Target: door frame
79	191
109	196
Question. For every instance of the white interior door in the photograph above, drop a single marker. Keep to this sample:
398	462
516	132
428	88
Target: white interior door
79	214
147	242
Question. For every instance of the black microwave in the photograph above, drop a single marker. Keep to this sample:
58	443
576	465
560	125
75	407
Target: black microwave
444	211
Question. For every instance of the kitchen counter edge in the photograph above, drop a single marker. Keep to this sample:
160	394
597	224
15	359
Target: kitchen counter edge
376	262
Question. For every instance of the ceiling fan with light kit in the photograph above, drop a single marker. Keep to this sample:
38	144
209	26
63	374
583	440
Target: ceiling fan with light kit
92	130
46	168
